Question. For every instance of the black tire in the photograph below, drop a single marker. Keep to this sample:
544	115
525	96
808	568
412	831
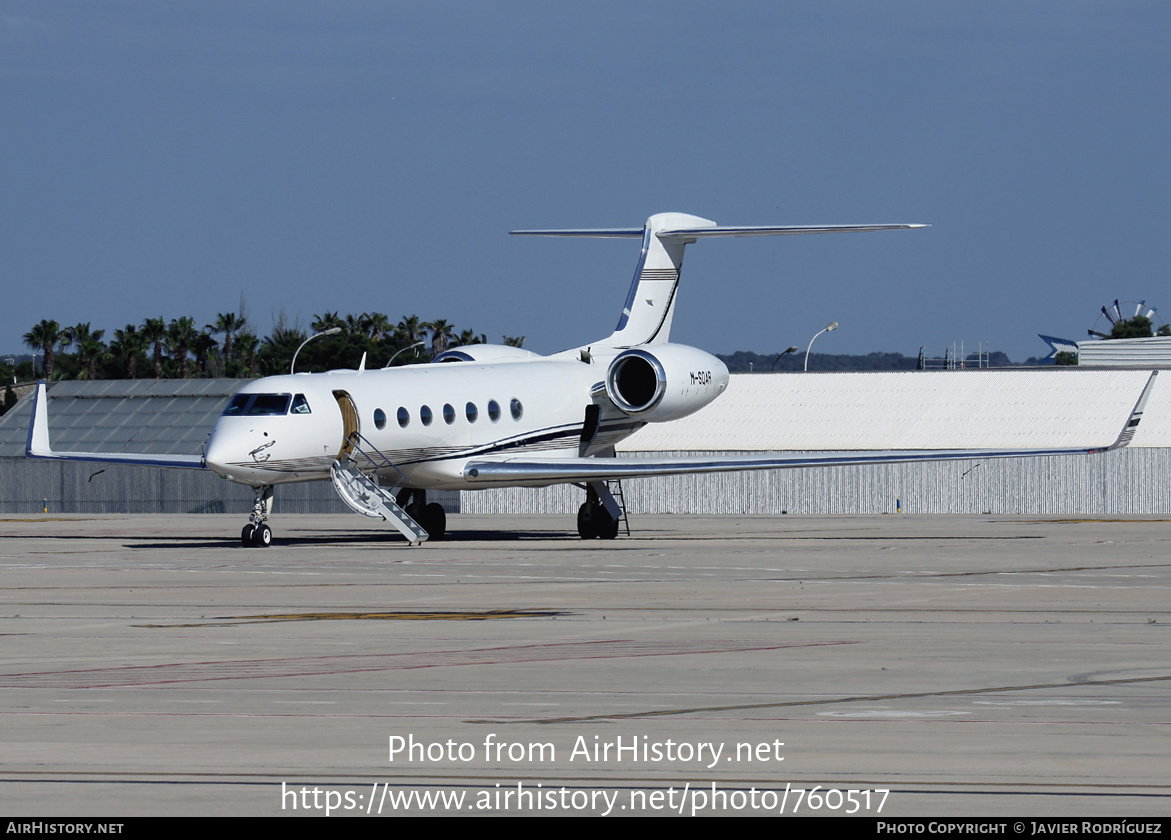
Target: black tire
262	536
434	521
607	525
246	535
586	527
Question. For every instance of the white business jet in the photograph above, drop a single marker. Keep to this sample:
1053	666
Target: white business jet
485	415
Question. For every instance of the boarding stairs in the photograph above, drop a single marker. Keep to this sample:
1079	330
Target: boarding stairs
364	495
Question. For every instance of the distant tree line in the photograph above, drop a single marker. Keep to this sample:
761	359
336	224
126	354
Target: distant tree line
1139	326
229	347
745	362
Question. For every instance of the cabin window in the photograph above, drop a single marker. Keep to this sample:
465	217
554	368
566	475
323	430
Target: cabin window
300	405
517	409
472	412
448	414
404	417
425	415
493	410
379	418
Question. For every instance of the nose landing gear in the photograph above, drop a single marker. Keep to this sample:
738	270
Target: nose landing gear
256	533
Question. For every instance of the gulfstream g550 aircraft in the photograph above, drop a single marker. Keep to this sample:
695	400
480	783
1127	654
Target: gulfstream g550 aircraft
490	416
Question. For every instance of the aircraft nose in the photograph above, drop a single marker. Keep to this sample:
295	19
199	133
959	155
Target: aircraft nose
219	452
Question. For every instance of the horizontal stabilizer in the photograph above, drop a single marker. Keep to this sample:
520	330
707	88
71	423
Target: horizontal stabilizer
719	230
650	303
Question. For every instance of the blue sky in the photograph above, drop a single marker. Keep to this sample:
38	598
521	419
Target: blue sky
163	159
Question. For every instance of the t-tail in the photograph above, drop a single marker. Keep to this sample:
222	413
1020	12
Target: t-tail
650	303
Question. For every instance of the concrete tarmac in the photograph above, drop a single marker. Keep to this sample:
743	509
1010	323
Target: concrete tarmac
893	665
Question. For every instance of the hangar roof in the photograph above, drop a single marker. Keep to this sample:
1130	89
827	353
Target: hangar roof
153	416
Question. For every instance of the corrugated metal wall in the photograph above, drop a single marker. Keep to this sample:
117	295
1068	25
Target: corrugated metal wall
1128	481
1133	352
27	486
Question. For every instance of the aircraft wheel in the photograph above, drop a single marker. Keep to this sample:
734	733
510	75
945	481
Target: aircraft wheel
607	526
586	527
262	536
246	535
435	521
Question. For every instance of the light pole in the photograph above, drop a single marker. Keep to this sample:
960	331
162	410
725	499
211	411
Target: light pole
408	347
330	331
830	327
792	349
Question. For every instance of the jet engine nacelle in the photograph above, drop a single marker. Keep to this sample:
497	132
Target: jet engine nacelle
666	383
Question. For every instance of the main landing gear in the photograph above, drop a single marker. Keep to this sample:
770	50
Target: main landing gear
256	533
432	516
598	517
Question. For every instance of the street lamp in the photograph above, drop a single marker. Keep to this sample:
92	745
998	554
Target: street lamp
408	347
330	331
792	349
830	327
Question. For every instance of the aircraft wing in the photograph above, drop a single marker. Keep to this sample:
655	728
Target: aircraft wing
553	471
39	446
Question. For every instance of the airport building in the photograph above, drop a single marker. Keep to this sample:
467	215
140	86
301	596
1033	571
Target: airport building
759	413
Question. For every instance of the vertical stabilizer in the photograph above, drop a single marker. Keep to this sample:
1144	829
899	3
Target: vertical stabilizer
650	304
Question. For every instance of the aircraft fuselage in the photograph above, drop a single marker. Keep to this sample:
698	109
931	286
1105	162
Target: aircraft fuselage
428	420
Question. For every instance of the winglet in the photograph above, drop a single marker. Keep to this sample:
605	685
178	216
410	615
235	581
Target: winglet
1136	415
38	427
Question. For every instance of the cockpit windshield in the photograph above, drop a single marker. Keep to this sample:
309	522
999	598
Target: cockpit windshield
256	405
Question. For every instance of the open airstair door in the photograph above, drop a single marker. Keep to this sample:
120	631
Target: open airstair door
361	492
350	429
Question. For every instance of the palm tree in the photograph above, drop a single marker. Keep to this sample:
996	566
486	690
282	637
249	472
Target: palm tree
90	347
44	337
179	336
227	324
246	345
469	337
202	345
378	325
154	332
128	343
328	321
412	329
357	324
441	335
